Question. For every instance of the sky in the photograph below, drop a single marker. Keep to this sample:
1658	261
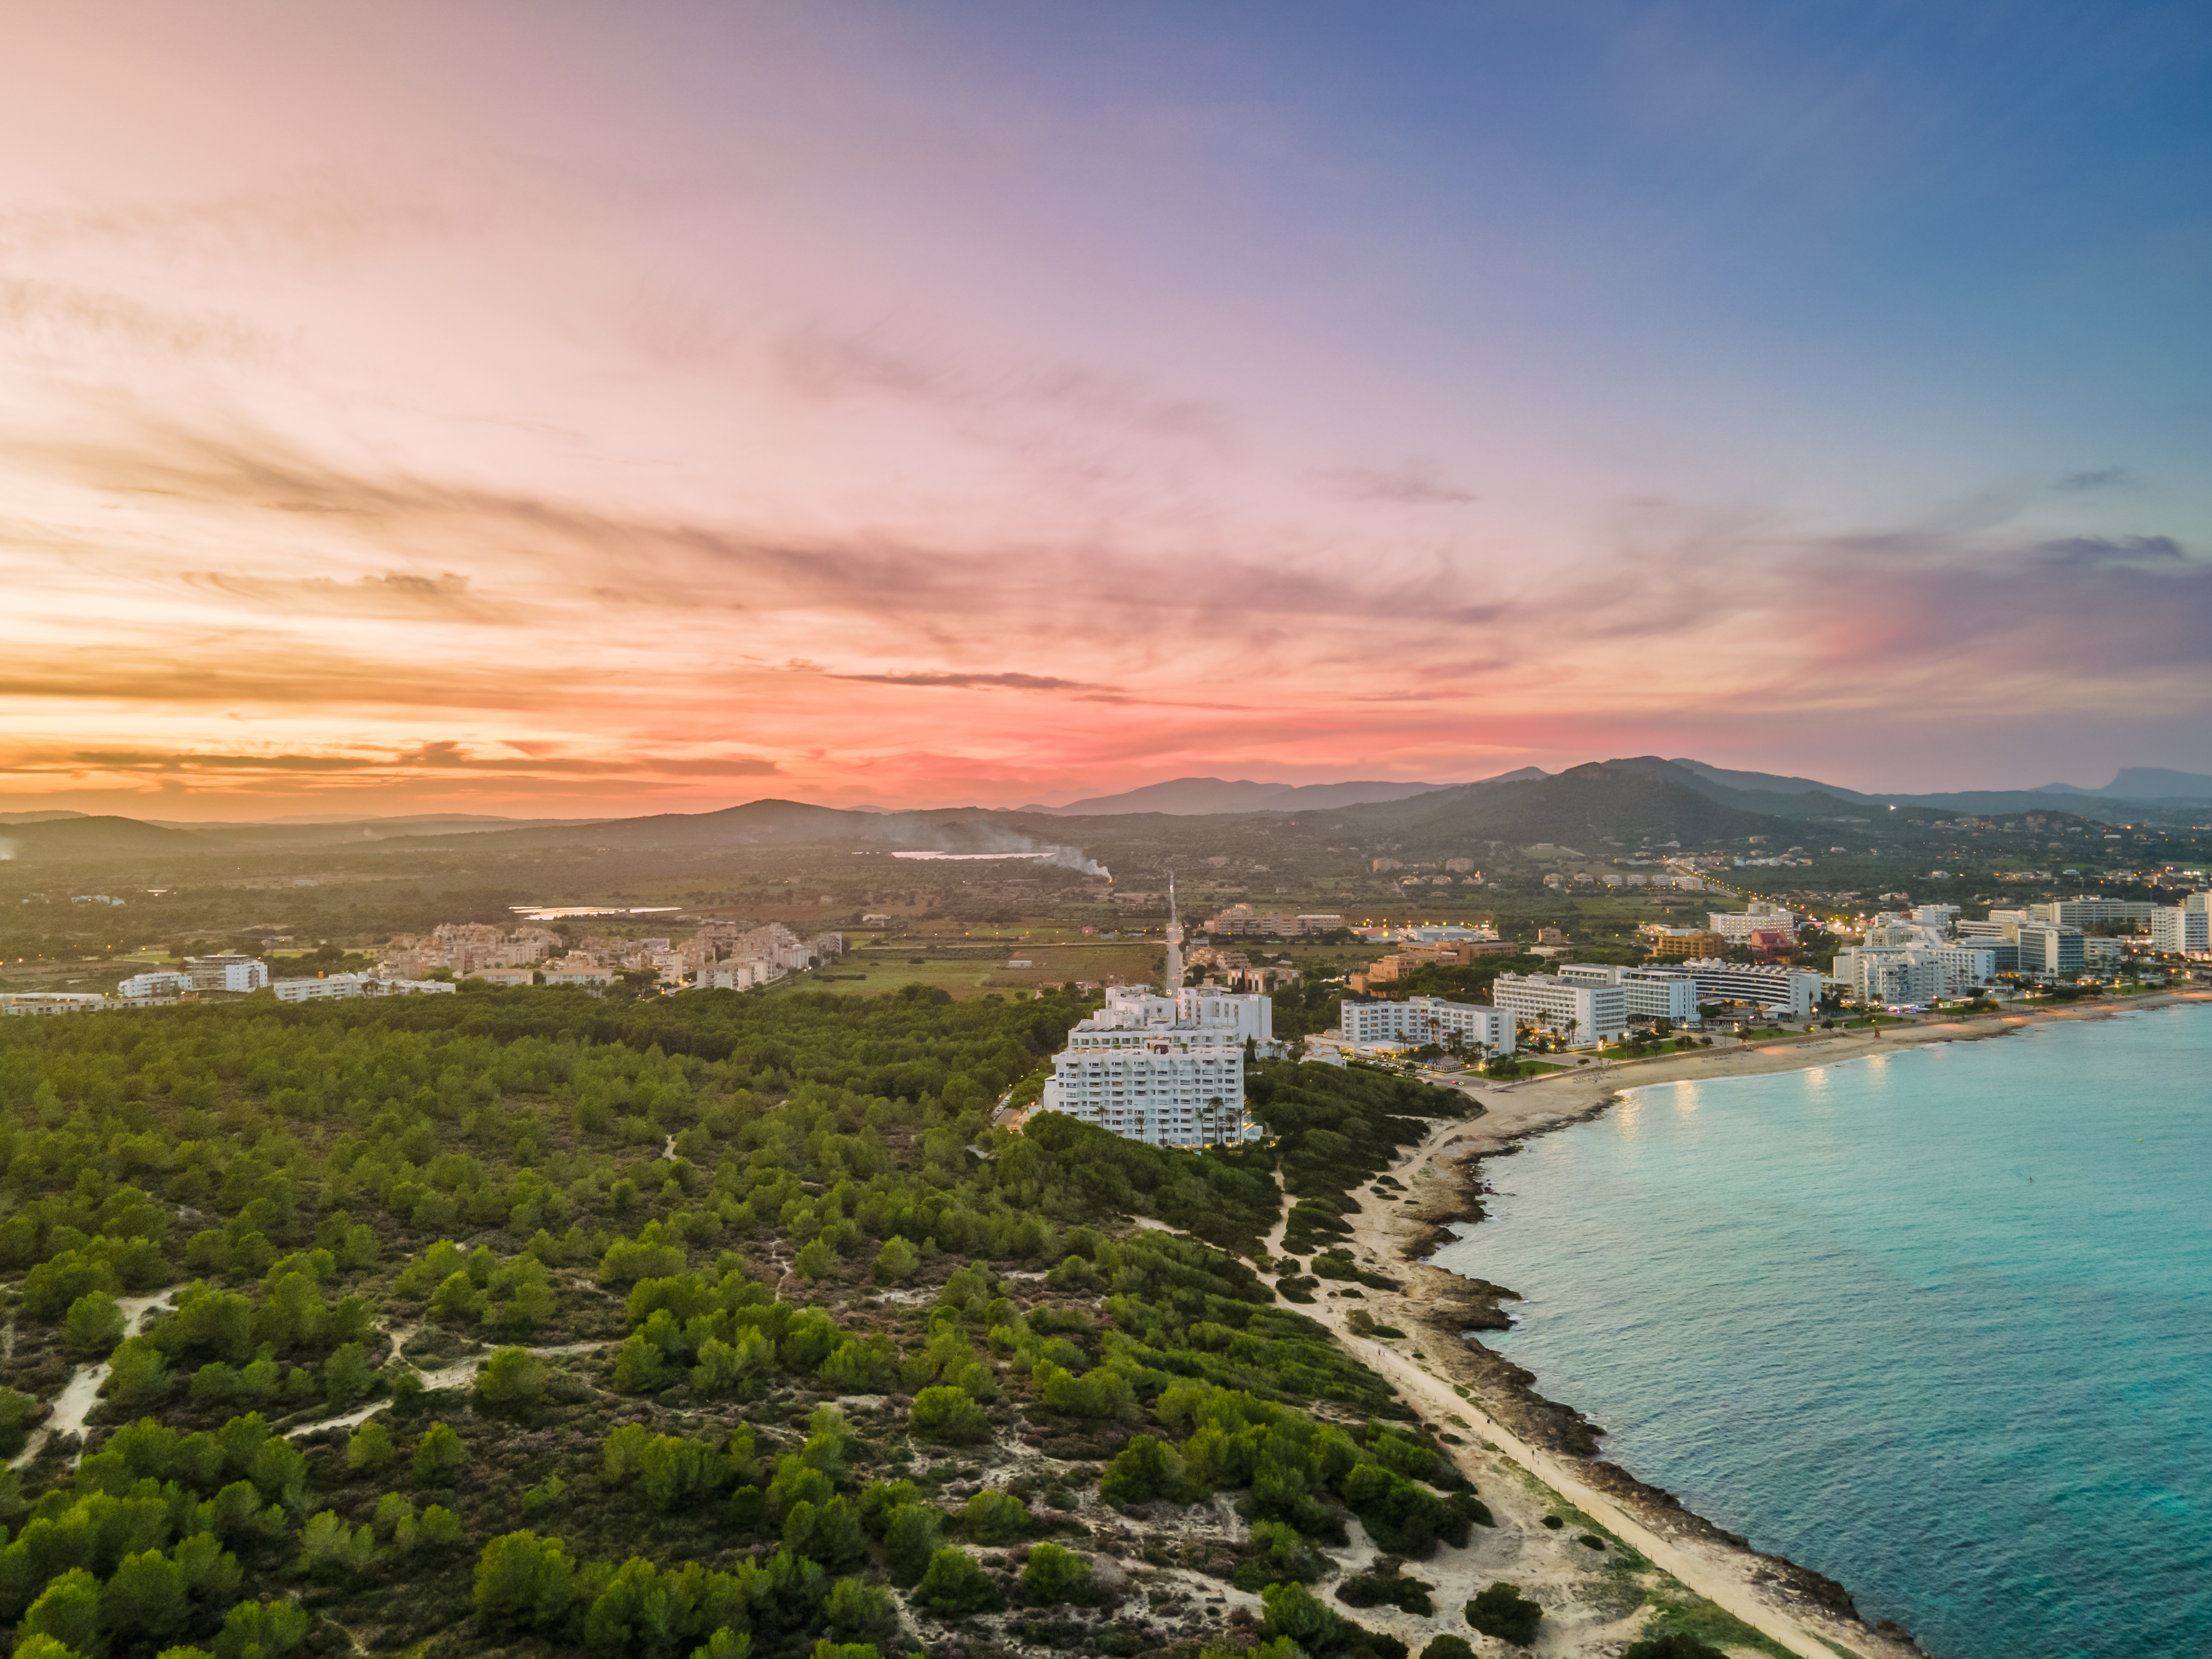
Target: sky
571	410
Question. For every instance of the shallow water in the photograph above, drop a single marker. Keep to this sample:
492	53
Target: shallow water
1937	1323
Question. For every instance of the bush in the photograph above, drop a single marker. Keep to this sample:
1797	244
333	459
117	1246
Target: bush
19	1414
896	1260
1383	1585
1053	1575
995	1518
1502	1612
1451	1647
815	1259
955	1585
136	1373
94	1325
945	1416
912	1534
370	1448
438	1456
512	1379
1143	1469
347	1376
858	1613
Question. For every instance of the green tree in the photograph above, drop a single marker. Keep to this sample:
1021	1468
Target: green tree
814	1259
68	1610
262	1630
1143	1469
511	1379
912	1534
19	1414
955	1585
896	1260
947	1417
1502	1612
1458	1647
330	1549
93	1326
146	1599
438	1456
370	1447
1053	1575
857	1611
638	1367
995	1518
347	1376
137	1373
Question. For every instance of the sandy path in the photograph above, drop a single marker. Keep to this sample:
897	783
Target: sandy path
458	1375
81	1393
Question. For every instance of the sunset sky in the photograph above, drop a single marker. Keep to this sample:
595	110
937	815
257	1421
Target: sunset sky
576	409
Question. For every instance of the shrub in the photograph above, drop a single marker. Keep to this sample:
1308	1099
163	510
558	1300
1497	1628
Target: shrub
511	1379
370	1448
1296	1613
1383	1585
896	1260
438	1456
93	1326
1053	1575
912	1534
1280	1553
1502	1612
19	1414
68	1610
347	1376
638	1368
828	1533
1143	1469
136	1373
955	1585
858	1613
1451	1647
995	1518
947	1417
815	1259
330	1549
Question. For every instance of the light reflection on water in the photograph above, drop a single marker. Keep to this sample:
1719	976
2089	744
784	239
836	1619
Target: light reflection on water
1831	1309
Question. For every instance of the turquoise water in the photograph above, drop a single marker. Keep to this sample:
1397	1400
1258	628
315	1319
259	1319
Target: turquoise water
1936	1323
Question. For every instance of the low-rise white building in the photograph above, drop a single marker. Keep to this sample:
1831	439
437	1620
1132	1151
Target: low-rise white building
31	1004
737	976
1419	1021
1580	1014
1792	991
1763	917
329	988
162	982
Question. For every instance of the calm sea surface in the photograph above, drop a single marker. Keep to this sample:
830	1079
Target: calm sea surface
1937	1323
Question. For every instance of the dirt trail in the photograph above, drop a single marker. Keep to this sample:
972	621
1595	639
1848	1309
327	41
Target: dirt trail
82	1391
459	1374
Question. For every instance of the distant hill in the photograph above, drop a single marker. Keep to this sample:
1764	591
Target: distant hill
958	830
86	837
2144	783
49	816
1205	797
1577	807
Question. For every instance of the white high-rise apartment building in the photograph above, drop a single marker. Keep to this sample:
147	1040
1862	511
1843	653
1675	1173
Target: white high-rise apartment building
2184	928
1165	1069
1793	991
1581	1014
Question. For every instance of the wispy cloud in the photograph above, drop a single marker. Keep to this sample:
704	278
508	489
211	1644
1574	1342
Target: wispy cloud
1411	483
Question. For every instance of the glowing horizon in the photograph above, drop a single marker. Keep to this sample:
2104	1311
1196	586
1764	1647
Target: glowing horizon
546	411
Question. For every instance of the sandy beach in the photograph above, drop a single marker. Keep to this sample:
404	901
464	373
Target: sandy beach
1530	1452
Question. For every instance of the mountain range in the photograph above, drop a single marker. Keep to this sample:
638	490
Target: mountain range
1644	798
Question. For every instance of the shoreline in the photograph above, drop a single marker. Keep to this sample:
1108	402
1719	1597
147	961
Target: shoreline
1551	1442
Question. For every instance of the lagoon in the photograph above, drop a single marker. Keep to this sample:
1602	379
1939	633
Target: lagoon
1936	1323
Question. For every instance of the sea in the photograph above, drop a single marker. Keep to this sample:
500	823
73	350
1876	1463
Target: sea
1936	1323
